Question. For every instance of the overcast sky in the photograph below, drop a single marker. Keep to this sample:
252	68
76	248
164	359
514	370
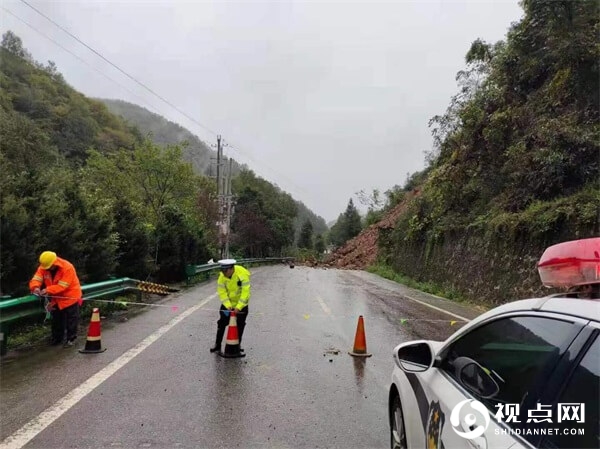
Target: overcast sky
322	99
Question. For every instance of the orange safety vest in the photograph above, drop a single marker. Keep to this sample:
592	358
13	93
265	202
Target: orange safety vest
64	287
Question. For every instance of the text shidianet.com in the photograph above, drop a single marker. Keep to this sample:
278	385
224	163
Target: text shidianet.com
543	432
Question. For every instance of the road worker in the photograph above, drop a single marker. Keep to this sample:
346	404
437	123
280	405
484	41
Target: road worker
233	287
57	279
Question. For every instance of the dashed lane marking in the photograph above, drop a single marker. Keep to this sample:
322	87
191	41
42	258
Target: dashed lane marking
324	306
437	308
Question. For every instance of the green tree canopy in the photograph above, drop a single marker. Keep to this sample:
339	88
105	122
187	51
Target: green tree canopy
263	220
347	226
319	244
306	236
80	181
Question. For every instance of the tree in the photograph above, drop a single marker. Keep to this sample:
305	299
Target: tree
319	244
13	43
263	221
306	236
151	177
347	226
336	235
133	243
352	222
164	193
179	243
373	201
304	213
252	235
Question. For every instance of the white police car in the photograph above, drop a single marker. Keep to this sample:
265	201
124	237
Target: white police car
525	374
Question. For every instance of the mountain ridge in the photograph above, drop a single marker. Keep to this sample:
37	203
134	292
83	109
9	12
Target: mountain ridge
197	152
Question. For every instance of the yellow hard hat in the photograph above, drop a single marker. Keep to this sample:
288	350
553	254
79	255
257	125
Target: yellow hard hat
47	258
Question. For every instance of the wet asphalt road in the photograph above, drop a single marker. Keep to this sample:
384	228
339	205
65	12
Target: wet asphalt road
297	387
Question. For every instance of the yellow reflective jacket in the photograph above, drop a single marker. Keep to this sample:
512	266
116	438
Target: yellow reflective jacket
234	292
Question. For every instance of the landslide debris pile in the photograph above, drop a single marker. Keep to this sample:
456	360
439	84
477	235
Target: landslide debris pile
361	251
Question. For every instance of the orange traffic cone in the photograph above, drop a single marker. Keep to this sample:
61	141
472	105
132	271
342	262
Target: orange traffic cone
360	341
232	342
93	343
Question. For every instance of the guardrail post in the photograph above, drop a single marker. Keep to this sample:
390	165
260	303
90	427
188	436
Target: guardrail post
190	272
3	345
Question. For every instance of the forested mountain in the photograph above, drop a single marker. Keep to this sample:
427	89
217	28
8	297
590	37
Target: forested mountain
304	213
196	151
79	180
165	132
38	104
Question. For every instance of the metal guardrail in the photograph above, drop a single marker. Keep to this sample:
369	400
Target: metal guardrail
196	273
15	310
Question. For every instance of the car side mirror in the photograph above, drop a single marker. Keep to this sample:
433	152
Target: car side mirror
475	378
414	357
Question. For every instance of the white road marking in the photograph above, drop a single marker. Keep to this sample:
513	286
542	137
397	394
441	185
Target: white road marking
439	309
324	306
30	430
466	320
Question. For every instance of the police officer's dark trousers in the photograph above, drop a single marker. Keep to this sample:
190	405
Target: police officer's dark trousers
224	321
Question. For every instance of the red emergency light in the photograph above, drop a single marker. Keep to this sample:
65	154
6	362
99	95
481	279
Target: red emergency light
572	263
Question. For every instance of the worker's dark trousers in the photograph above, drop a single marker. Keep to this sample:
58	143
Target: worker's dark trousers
65	319
224	321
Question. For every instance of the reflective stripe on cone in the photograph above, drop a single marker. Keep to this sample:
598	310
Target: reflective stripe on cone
93	343
232	342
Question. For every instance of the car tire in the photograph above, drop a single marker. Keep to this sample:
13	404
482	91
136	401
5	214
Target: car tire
397	429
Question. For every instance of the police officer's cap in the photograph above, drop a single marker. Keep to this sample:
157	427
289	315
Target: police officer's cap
227	263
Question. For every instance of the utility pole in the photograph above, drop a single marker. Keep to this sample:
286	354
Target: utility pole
229	200
219	198
223	200
218	166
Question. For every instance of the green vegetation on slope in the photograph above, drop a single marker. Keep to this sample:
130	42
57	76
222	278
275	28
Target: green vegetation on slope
198	153
83	182
516	167
164	132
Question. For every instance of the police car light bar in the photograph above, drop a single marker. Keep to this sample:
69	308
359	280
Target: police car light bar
572	263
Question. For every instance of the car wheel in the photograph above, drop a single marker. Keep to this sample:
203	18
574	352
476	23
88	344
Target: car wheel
397	432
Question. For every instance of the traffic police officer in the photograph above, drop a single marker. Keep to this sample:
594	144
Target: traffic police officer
233	287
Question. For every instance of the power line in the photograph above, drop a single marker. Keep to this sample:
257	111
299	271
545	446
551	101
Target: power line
144	86
236	148
120	69
183	113
81	59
